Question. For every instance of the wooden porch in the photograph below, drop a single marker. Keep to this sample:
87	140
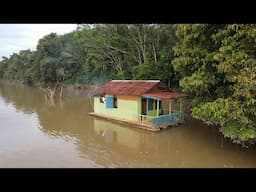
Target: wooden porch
160	112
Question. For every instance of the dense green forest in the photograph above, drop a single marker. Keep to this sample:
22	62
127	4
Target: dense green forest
96	53
217	64
214	63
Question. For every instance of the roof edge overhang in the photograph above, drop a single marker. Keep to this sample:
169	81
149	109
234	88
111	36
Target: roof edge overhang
164	97
150	97
152	81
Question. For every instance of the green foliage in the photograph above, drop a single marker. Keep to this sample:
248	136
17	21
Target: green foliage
48	69
229	115
215	112
97	53
144	71
237	131
217	64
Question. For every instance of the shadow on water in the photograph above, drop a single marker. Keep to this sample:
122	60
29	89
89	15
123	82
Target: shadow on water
112	145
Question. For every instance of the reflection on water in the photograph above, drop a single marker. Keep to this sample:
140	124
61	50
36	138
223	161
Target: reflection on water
34	133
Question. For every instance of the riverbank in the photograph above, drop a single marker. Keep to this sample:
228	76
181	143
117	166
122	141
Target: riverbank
51	85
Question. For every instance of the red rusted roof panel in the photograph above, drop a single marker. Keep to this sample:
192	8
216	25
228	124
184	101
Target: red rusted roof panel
127	87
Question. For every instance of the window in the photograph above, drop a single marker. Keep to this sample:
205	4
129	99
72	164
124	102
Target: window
102	99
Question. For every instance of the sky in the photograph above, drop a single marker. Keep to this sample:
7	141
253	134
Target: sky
16	37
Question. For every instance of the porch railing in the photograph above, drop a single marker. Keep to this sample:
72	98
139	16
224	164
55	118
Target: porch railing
161	120
167	119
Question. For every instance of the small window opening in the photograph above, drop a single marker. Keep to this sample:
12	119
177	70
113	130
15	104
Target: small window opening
102	99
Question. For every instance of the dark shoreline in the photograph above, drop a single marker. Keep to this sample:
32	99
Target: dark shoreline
44	85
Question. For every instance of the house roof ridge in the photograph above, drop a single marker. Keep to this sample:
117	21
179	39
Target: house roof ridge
128	80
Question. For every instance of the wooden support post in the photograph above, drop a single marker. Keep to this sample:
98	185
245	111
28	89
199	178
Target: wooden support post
147	106
180	105
157	109
180	109
170	107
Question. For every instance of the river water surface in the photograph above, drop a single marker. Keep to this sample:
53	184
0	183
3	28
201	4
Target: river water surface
37	133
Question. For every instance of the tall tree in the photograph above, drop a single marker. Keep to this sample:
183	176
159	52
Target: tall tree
214	61
97	53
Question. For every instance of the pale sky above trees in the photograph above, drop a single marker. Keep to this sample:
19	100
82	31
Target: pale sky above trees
16	37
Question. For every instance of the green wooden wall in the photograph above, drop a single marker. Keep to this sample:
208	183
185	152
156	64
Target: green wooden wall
126	109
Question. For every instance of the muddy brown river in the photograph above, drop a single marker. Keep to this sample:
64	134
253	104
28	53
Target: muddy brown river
35	132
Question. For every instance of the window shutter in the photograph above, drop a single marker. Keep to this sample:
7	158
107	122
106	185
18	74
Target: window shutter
109	102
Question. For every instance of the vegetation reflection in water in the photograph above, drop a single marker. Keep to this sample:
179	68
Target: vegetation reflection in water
63	135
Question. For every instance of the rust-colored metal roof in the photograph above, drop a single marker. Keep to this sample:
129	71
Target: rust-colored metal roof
147	88
127	87
165	95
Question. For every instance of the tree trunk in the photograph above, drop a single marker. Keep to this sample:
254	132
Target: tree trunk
154	53
61	91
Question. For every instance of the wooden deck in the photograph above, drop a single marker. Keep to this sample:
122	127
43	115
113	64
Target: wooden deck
145	125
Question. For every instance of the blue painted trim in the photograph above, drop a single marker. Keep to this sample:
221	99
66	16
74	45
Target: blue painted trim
155	98
167	119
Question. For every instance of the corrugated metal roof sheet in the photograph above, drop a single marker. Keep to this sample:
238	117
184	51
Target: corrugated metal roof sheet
148	88
127	87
